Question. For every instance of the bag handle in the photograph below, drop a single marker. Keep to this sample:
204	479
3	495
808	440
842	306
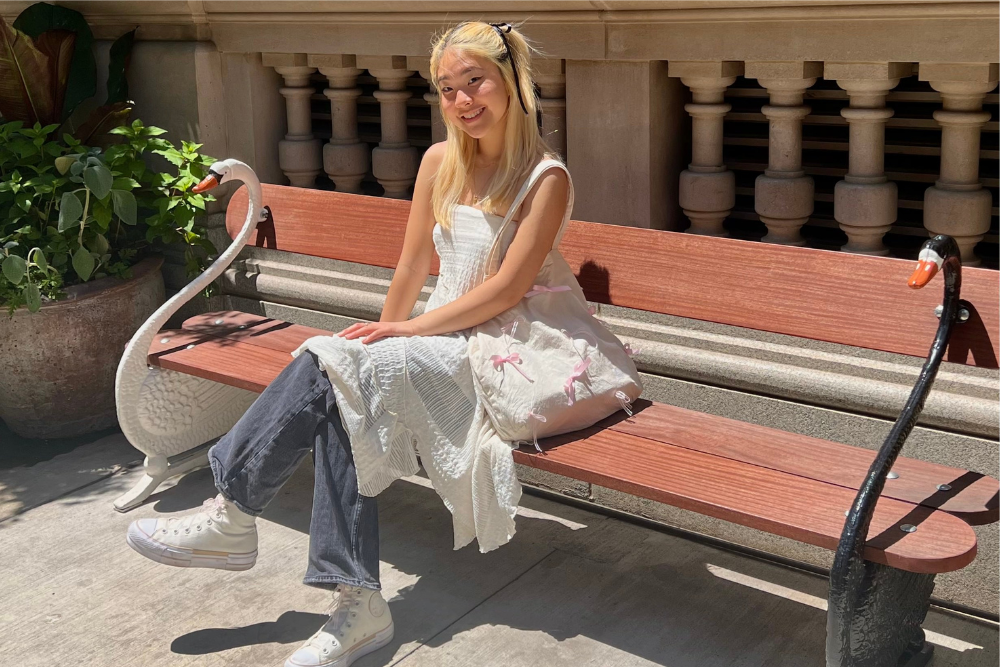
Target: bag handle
539	169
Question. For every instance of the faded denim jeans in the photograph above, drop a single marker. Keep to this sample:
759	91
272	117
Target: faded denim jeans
298	412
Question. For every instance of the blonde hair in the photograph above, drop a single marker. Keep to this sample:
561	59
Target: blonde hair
522	143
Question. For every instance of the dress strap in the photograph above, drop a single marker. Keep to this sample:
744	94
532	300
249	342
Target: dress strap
536	173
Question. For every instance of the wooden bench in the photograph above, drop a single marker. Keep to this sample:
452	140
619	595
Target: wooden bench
790	485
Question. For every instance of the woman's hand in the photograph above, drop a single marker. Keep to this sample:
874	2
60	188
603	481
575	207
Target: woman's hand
376	330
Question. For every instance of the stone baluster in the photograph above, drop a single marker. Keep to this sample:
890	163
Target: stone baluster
346	159
707	189
422	65
864	203
550	75
394	161
957	204
783	194
299	153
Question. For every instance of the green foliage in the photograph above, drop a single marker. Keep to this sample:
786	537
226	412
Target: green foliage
71	213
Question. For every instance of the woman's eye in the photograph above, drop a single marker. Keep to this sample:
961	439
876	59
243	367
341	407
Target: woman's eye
475	78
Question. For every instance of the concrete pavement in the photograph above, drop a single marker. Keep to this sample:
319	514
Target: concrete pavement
573	588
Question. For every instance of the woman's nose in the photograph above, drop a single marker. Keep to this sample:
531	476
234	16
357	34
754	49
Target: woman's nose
463	99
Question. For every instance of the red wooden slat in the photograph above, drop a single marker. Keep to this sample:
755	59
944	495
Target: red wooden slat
776	502
352	228
823	295
973	496
228	362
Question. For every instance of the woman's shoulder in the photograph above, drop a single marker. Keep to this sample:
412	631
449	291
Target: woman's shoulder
552	175
434	155
554	170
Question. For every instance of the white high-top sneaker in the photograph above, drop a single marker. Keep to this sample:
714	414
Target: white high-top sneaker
220	536
359	623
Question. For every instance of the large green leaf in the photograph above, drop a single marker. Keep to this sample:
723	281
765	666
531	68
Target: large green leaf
32	297
119	58
70	210
125	207
14	268
41	17
102	121
58	45
83	263
25	79
99	179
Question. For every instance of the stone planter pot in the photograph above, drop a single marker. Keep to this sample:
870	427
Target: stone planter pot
57	366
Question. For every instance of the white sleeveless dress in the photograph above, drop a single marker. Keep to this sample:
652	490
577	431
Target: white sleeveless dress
400	397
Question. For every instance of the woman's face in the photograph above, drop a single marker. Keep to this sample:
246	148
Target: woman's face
472	92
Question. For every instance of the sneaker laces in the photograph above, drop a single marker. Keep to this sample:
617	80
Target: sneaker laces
345	598
216	505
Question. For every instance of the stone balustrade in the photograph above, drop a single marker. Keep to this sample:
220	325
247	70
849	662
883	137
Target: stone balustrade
707	188
866	200
957	204
346	158
299	153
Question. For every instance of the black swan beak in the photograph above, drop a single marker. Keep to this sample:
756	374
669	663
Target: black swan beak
926	270
207	183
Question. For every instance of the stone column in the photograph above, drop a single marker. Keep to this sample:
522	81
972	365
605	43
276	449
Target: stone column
957	204
394	161
423	67
864	203
625	142
345	158
550	75
707	189
783	194
299	153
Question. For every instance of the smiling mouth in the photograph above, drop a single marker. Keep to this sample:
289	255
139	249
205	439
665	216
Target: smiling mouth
474	116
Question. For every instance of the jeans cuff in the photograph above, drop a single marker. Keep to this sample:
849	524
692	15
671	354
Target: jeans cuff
224	488
330	582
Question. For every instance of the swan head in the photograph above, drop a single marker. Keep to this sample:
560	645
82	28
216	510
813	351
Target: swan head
934	253
220	172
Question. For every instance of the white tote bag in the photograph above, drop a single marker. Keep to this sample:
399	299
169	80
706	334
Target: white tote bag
548	366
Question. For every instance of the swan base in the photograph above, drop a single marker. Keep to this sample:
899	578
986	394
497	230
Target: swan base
875	617
157	470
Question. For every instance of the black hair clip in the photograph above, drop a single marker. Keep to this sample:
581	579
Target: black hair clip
501	29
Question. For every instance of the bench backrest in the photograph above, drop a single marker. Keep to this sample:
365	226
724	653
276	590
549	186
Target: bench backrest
818	294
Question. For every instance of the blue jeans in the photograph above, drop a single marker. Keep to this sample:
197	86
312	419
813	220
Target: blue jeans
298	412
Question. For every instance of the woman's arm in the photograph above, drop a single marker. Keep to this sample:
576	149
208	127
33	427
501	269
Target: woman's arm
414	263
543	211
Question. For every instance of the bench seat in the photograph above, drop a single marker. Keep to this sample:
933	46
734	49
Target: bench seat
787	484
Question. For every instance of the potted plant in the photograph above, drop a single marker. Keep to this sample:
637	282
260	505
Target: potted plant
80	228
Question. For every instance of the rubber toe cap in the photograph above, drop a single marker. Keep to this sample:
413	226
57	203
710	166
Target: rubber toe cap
307	656
144	526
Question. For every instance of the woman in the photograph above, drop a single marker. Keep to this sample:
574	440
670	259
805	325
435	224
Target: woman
371	398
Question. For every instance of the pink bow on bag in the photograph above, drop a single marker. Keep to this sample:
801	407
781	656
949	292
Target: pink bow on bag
578	370
539	289
513	359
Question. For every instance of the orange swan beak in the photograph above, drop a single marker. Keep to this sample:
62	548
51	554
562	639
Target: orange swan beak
926	270
206	184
